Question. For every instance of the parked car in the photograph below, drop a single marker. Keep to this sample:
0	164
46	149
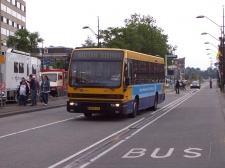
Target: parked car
195	84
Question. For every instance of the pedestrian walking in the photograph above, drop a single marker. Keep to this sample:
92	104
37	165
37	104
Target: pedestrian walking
33	91
183	85
45	88
37	87
210	83
23	92
177	87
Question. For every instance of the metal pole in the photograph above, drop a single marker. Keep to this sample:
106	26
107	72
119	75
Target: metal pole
223	54
42	51
165	67
1	86
98	33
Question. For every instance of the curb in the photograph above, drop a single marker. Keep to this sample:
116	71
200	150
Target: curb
6	114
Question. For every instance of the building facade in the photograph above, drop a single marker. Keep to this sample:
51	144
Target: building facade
177	69
180	68
13	17
51	54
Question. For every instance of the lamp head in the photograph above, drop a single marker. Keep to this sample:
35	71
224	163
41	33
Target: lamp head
86	27
204	33
201	16
206	43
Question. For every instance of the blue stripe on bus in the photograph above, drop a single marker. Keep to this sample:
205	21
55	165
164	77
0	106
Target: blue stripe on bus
146	94
146	90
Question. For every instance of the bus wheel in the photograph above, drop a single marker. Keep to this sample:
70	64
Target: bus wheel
135	109
155	103
88	115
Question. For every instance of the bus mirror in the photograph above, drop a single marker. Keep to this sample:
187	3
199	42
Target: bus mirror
127	81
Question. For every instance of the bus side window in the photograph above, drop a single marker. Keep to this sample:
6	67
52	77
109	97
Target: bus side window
130	69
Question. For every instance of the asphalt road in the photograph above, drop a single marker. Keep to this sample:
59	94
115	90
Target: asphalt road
187	131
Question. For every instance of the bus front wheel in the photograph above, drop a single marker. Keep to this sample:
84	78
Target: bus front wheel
155	103
135	109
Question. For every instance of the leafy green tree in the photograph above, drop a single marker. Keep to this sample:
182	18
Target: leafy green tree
23	40
139	34
58	64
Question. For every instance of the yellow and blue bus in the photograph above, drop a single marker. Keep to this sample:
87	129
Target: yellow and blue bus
114	81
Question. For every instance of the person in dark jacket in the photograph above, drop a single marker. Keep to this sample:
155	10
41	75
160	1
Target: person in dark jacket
33	91
45	89
177	86
210	83
23	92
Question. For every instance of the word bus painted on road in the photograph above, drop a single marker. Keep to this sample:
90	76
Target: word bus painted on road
139	152
105	80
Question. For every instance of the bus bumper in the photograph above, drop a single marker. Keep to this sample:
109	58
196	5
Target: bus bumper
96	107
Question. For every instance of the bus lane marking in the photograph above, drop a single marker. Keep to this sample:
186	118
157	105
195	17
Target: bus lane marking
128	137
139	152
181	100
93	145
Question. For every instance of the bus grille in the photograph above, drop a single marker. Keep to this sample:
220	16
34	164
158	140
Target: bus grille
86	104
98	96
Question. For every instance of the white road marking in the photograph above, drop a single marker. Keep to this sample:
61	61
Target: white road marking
210	150
101	154
93	145
19	132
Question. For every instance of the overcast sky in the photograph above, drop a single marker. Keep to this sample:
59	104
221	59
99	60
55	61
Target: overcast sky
60	22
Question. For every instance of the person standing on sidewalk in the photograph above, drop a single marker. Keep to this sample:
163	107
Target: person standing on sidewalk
37	87
33	91
177	87
45	88
23	92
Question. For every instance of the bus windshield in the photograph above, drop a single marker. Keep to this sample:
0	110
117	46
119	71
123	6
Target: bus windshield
94	73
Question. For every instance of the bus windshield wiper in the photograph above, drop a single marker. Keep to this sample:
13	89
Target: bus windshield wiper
103	84
91	85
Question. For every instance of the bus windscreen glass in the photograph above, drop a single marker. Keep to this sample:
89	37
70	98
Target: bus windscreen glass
96	69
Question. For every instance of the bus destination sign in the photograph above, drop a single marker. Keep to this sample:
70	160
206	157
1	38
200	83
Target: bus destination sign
98	55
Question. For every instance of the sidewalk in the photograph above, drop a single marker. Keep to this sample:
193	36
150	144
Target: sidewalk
55	102
13	108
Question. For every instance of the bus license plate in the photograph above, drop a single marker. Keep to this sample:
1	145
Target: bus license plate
93	108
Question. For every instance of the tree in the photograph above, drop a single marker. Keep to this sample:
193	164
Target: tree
139	34
23	40
89	43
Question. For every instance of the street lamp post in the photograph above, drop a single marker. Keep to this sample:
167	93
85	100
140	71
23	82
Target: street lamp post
42	56
201	16
41	40
96	34
211	50
222	46
223	54
211	44
210	35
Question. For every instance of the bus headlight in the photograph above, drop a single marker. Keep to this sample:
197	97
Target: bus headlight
115	105
73	104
